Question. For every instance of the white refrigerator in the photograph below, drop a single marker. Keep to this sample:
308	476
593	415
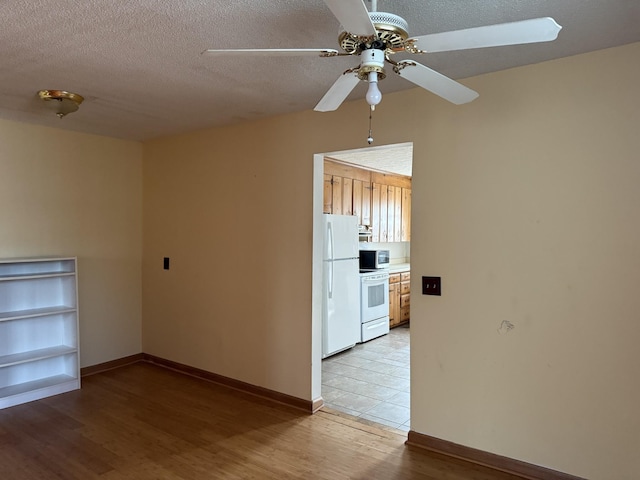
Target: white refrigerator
341	284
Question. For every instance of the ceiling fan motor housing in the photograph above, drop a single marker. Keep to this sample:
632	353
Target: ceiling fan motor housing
392	31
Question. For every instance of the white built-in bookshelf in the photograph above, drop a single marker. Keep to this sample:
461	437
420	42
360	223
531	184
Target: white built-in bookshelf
39	354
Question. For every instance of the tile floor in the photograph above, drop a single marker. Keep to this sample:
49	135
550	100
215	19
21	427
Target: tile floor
371	381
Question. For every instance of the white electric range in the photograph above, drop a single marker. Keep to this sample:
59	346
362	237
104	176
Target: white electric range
374	304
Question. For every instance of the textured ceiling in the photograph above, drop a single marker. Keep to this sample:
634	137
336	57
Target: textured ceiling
138	62
396	158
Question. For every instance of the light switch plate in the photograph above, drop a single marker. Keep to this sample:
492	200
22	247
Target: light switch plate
431	286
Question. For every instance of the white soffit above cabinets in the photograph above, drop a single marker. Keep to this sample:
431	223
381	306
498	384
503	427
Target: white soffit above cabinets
395	158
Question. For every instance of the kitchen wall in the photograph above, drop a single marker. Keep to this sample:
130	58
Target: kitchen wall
65	193
524	201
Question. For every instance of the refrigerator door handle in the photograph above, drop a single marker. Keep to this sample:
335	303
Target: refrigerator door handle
330	251
330	280
330	241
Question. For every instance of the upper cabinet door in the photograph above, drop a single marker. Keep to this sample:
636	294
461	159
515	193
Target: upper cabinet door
366	203
375	212
327	195
406	215
397	214
384	212
381	201
347	196
362	201
336	195
357	200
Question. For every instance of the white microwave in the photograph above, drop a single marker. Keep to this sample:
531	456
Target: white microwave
374	259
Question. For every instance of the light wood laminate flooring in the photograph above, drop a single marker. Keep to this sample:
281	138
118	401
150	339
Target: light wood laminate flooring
144	422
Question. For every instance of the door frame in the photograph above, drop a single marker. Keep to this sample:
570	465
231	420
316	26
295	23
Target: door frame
317	270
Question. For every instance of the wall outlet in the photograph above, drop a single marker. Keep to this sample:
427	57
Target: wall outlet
431	286
166	263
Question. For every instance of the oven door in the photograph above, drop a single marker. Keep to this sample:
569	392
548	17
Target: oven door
374	296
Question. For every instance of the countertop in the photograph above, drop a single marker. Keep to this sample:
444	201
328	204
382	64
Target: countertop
399	267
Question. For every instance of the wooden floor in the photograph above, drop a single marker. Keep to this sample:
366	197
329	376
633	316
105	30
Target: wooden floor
146	422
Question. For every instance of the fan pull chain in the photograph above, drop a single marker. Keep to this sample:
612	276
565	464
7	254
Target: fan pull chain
370	137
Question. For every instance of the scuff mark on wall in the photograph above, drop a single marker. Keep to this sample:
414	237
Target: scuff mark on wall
505	327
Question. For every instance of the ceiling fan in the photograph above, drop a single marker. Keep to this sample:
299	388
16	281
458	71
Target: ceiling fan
375	36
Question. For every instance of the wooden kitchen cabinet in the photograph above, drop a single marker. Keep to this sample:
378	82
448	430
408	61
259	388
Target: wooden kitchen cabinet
328	194
375	212
347	191
362	201
405	228
386	213
394	300
399	298
405	296
379	200
394	214
383	219
341	195
391	209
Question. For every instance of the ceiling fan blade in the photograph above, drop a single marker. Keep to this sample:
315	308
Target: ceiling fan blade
274	52
526	31
436	82
338	92
353	16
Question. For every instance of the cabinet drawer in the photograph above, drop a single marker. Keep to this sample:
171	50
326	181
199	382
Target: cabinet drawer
405	276
404	314
405	300
405	287
394	278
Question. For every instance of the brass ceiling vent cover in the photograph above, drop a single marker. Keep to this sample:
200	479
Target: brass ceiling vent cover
61	101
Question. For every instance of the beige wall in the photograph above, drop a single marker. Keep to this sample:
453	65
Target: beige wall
232	210
524	202
64	193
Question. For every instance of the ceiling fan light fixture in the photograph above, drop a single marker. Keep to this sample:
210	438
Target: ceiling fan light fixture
374	96
61	101
374	36
371	70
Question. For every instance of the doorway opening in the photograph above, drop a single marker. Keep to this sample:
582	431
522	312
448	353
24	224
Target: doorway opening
371	380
